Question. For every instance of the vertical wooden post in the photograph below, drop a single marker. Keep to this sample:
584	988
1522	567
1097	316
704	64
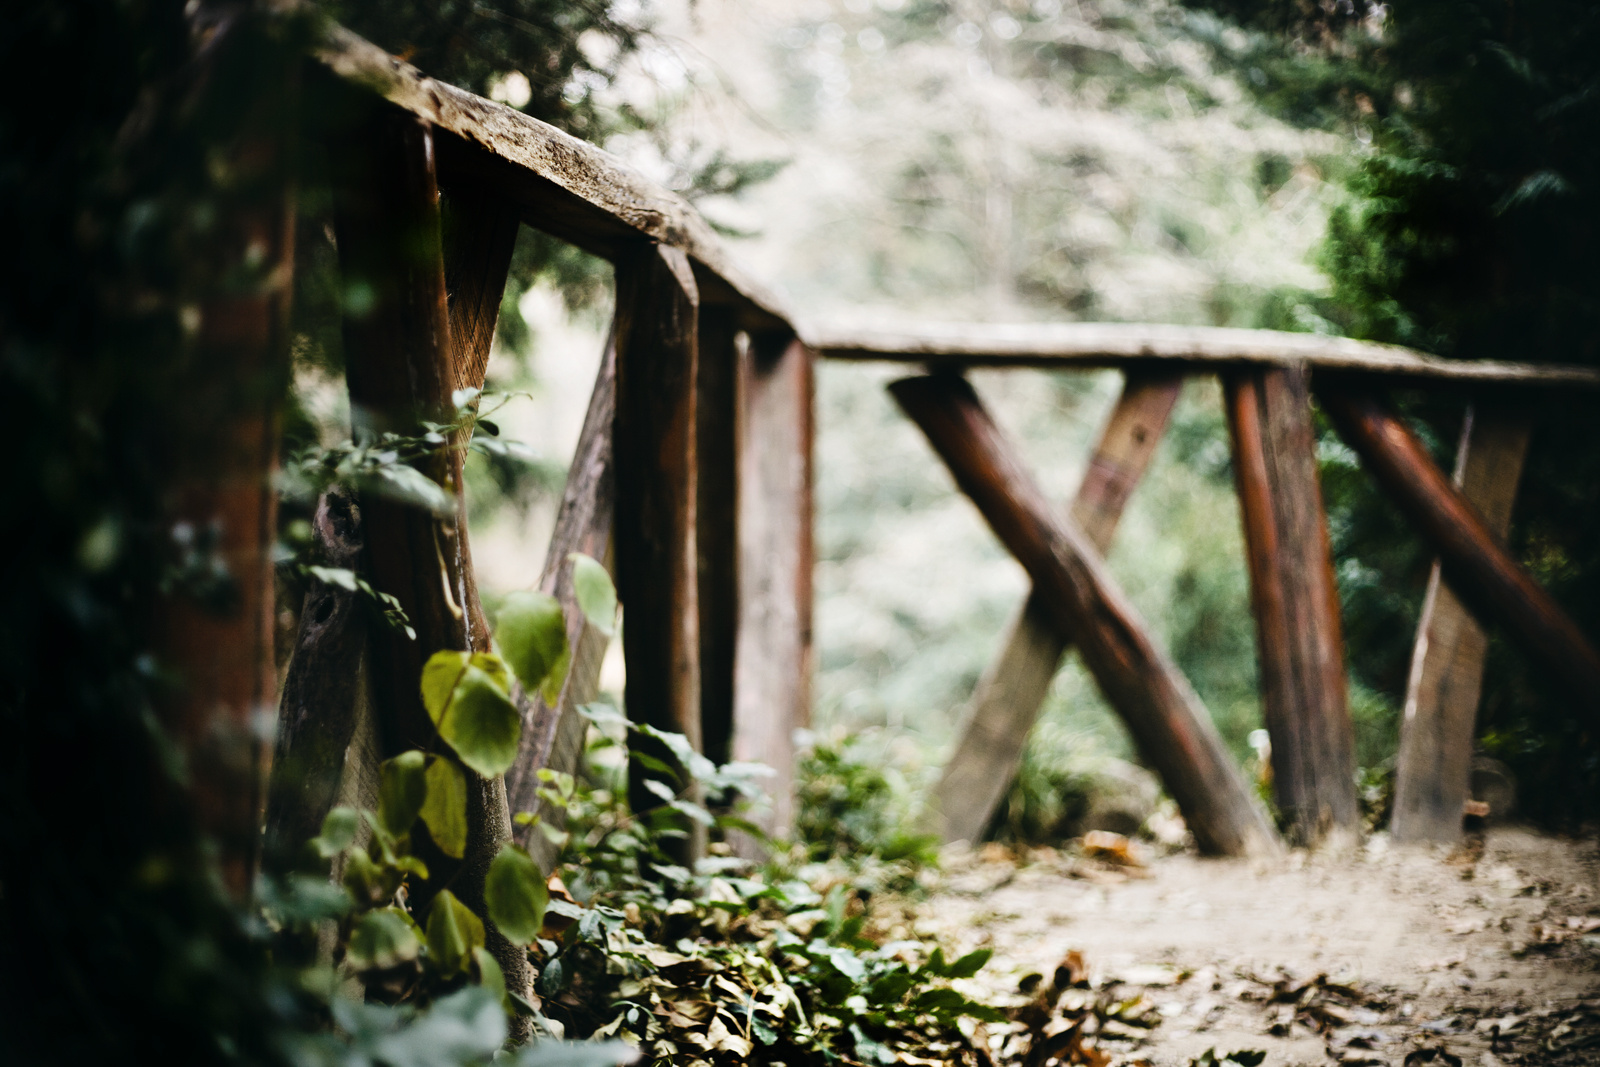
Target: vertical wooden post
1298	640
772	668
716	530
1434	768
223	502
553	736
1167	720
654	443
402	367
1013	688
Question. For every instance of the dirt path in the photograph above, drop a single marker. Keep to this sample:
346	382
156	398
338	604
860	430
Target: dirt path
1491	954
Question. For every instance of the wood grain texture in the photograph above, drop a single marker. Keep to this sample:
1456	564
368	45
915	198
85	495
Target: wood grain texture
553	736
402	367
772	665
1013	688
653	441
563	185
1170	726
318	711
1437	728
1299	642
717	524
1099	344
1492	584
479	234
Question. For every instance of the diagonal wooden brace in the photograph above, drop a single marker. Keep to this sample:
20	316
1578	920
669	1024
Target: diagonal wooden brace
1169	724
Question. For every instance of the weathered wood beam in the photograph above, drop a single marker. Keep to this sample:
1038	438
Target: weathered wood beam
1105	344
1299	644
656	475
772	666
717	523
1013	688
1169	724
1434	769
563	185
1493	585
553	737
402	367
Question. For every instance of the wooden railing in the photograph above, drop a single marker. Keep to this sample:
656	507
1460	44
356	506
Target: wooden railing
692	481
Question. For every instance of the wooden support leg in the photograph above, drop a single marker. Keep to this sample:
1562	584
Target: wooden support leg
654	441
1171	727
772	690
717	527
402	368
1476	567
1434	767
1013	688
553	736
1298	639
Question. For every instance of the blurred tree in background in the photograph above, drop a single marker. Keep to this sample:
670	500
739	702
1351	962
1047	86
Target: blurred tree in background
1470	233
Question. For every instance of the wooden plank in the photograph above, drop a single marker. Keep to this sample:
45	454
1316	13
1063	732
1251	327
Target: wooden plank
1013	688
553	737
1170	726
1299	643
1492	584
1103	344
772	665
402	367
479	233
563	185
1434	767
716	527
653	438
321	693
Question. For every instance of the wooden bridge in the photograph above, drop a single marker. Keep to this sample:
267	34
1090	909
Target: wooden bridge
693	482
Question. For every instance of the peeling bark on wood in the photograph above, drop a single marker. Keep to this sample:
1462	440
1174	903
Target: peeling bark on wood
1434	767
1171	727
1013	688
1493	585
1299	643
317	715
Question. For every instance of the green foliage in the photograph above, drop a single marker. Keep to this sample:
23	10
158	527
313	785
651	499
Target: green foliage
468	696
597	597
532	632
516	895
847	807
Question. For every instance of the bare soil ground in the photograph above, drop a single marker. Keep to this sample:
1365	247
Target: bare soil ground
1490	953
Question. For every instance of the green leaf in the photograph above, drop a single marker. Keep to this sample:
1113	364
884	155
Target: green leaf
468	698
407	485
490	976
453	932
970	964
576	1054
402	787
339	828
445	809
596	595
381	939
516	894
532	631
482	724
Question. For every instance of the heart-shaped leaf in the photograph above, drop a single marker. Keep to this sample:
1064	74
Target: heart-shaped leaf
516	894
596	595
453	932
468	698
402	788
445	809
532	632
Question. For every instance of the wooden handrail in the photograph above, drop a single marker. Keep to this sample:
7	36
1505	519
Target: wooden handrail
572	189
1110	344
